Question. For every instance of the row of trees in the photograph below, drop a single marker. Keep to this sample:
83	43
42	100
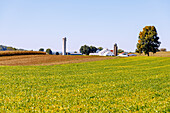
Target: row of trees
89	49
48	51
8	48
84	50
92	49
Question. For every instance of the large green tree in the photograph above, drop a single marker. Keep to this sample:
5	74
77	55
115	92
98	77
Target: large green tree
86	49
100	48
148	40
93	49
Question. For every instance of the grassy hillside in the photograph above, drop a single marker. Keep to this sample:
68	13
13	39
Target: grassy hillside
125	84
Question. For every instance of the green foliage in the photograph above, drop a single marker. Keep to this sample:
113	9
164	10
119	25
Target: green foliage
6	48
41	49
86	49
100	48
3	48
48	51
57	53
14	49
93	49
163	49
67	53
10	48
148	40
120	50
134	84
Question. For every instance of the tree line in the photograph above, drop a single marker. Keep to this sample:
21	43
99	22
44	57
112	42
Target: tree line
89	49
48	51
83	49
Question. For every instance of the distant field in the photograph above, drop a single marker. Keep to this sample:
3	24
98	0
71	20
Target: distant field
47	59
13	60
11	53
160	54
134	84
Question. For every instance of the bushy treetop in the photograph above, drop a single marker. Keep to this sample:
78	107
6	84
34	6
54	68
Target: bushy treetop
148	40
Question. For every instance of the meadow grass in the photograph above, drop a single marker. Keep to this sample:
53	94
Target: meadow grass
115	85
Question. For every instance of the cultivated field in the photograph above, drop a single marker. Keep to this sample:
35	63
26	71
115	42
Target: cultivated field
159	54
13	58
47	59
134	84
11	53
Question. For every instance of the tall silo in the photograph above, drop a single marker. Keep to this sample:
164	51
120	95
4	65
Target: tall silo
115	49
64	46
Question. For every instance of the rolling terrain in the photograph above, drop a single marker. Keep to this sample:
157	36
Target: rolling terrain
134	84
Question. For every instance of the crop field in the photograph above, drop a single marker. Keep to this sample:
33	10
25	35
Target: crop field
159	54
11	53
134	84
23	60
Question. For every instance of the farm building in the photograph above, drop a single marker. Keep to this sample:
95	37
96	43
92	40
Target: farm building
126	54
108	53
123	54
94	54
104	52
70	53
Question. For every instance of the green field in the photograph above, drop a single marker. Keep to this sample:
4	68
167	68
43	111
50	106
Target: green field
115	85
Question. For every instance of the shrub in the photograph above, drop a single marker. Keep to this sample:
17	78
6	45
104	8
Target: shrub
48	51
120	50
57	53
163	49
41	49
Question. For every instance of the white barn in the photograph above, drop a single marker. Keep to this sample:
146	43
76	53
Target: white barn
104	52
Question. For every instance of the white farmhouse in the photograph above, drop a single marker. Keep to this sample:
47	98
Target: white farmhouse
108	53
104	52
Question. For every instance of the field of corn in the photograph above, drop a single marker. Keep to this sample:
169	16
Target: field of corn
115	85
11	53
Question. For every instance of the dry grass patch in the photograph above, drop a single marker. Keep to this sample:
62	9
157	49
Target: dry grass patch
159	54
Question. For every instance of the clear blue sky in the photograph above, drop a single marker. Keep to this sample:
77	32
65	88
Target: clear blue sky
32	24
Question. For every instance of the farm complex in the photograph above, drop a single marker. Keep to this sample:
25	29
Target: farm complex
84	56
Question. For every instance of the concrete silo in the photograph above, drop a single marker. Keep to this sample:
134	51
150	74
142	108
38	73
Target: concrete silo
64	46
115	49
